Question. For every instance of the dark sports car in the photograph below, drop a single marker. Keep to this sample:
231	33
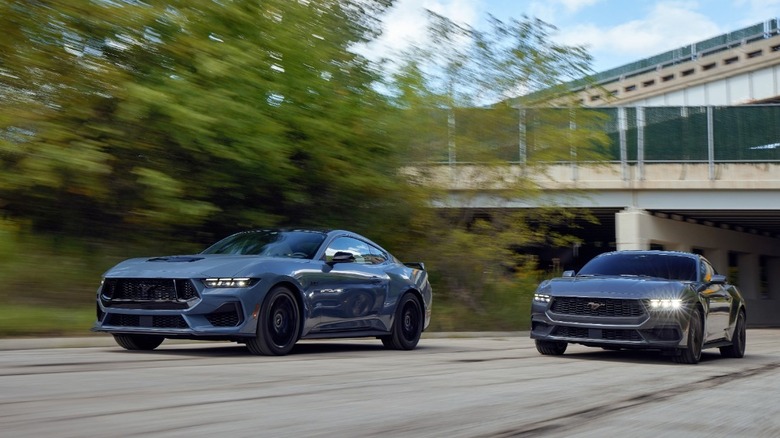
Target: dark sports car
659	300
268	289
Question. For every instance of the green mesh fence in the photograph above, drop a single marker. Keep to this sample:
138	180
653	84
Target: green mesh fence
747	133
676	134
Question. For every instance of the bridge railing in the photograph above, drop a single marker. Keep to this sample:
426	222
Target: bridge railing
628	135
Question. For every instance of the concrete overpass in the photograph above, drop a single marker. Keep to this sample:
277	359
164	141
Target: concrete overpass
690	166
732	219
740	67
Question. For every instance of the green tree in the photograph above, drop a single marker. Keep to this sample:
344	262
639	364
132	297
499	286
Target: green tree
175	116
461	110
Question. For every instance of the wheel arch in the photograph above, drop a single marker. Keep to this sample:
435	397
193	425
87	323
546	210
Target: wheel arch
420	300
298	294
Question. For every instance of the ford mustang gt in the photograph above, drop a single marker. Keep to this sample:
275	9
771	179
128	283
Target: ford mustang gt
268	289
670	301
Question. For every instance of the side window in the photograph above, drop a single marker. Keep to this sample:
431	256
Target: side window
706	270
377	256
360	250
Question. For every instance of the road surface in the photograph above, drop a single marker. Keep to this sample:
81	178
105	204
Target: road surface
486	386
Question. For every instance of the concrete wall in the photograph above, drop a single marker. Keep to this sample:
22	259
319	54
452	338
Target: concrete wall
744	74
758	257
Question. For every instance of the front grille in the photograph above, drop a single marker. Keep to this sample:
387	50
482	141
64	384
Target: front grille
123	320
227	315
160	292
168	321
607	307
604	334
571	332
153	321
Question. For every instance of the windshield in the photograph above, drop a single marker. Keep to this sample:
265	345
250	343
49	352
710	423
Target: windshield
271	243
669	266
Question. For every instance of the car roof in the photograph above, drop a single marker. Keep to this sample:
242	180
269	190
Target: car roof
652	251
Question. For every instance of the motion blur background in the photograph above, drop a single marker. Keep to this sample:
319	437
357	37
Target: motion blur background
134	129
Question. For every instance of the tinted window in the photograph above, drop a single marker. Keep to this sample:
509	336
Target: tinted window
294	244
362	251
667	266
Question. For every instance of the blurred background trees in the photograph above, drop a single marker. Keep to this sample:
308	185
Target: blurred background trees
129	128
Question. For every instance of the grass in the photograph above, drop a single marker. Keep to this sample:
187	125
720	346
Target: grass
49	285
26	320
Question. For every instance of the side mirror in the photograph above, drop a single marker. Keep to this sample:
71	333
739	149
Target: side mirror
718	279
568	274
342	257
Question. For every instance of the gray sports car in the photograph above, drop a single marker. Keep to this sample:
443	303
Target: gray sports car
659	300
268	289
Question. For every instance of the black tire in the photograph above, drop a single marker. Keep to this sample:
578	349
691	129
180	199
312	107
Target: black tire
737	347
138	342
407	326
551	348
692	353
278	325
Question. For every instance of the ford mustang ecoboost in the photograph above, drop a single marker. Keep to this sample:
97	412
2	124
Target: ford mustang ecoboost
268	289
670	301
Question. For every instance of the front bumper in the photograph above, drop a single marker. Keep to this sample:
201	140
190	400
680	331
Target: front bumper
208	314
649	329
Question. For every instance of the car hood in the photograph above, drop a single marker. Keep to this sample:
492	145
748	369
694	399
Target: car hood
612	287
193	266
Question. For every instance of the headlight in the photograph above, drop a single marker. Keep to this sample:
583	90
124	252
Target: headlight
666	304
228	282
541	298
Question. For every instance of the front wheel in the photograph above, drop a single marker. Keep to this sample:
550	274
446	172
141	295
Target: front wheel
278	324
407	326
692	352
551	348
138	342
737	347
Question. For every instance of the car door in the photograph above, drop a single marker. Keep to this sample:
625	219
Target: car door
718	301
351	294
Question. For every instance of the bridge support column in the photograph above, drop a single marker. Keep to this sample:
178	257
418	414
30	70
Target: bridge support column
629	225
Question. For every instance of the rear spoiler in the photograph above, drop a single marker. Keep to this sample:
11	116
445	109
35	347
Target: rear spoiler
415	265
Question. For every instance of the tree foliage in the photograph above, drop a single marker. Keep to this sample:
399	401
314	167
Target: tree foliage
200	117
484	146
197	113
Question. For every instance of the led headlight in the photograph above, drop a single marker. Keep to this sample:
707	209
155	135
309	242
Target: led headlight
666	304
541	298
228	282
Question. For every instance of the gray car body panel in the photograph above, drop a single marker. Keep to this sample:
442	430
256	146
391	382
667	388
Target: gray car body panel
660	329
337	300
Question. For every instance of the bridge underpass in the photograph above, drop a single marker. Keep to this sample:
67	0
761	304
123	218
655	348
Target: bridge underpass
734	221
694	160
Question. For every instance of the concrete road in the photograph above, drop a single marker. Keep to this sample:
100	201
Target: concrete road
489	386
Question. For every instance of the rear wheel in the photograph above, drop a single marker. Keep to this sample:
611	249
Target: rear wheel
551	348
138	342
737	347
278	324
407	326
692	353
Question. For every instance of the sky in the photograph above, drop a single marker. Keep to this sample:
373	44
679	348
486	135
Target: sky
615	32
